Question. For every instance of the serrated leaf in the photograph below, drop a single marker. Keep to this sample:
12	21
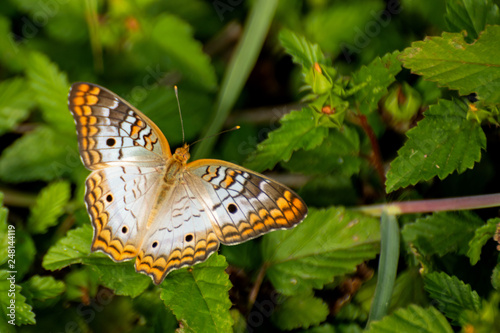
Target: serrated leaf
299	130
412	319
49	206
374	80
328	243
43	287
486	319
451	62
300	311
337	154
481	236
442	233
122	278
39	155
471	16
180	42
50	89
23	313
72	249
302	51
453	295
75	249
199	296
15	102
444	141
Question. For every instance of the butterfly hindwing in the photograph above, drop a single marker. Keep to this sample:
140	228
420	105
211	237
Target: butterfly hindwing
181	235
111	131
118	202
245	204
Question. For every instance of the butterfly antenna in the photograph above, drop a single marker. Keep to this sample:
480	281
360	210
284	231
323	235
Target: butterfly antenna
180	113
211	136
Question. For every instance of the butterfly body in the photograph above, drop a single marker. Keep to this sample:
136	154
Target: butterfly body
148	204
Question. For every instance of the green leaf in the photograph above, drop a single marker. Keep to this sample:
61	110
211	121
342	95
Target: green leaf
302	51
337	154
408	289
412	319
49	206
481	236
444	141
471	16
43	287
328	243
487	319
451	62
4	232
442	233
495	277
72	249
245	255
15	102
300	311
10	293
388	266
374	80
180	42
13	54
75	249
25	252
122	278
158	318
299	130
347	21
199	295
39	155
327	328
50	89
453	295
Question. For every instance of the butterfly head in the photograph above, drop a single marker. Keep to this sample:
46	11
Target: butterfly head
182	153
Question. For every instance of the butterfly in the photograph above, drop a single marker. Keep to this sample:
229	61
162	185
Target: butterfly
148	204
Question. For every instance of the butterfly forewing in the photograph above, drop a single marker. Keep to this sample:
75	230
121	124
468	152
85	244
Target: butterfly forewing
245	204
111	131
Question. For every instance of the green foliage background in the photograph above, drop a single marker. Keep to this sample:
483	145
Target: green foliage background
348	102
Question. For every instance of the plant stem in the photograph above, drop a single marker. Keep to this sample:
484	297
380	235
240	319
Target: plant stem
376	158
433	205
256	286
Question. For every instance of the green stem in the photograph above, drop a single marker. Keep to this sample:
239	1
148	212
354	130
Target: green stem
433	205
239	68
388	265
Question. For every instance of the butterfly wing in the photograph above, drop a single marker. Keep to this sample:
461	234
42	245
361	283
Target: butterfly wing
215	202
245	204
112	132
118	200
127	152
182	235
